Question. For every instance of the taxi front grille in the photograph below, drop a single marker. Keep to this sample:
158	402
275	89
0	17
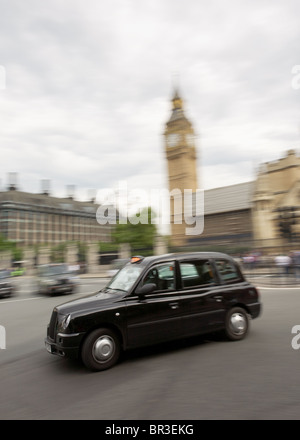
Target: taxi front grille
52	325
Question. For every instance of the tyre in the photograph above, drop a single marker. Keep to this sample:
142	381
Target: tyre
100	350
236	324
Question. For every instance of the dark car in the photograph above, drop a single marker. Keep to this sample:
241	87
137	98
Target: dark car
152	300
6	287
55	279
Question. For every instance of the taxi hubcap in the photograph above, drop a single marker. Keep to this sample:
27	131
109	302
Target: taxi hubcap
104	348
238	323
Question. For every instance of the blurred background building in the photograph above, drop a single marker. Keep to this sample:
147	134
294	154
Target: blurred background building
276	200
264	213
29	218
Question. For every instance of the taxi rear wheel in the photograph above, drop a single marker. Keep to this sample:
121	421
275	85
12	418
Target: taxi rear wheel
236	324
100	350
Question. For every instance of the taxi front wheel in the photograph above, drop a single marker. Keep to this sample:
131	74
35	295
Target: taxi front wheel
100	350
236	324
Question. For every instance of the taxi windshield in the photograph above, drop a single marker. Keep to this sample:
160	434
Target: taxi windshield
125	278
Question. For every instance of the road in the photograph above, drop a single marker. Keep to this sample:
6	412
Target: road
195	379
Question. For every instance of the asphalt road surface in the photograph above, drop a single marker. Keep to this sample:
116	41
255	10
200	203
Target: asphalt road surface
195	379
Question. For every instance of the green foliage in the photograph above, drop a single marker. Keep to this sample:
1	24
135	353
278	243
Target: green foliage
108	247
141	234
82	250
58	253
6	245
17	253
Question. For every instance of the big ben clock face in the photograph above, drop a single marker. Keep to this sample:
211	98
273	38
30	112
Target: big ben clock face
190	139
172	139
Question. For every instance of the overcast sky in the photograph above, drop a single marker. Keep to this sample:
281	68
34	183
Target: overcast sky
87	85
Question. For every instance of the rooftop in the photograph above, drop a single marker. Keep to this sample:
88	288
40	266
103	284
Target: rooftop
228	198
45	201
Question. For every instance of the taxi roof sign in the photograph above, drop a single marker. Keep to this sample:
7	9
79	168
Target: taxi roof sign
136	259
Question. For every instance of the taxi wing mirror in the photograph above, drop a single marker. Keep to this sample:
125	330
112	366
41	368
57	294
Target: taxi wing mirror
146	288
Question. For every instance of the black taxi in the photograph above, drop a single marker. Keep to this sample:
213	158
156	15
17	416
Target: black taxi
152	300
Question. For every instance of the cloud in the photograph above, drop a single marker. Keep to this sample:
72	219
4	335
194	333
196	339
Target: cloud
88	88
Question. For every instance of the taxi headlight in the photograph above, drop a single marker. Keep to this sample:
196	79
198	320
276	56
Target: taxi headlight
65	322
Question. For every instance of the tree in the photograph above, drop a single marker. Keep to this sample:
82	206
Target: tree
137	233
7	245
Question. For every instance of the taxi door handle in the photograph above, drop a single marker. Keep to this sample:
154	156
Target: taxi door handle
218	298
174	305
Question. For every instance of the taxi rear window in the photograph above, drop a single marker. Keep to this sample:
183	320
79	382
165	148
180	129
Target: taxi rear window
228	271
196	273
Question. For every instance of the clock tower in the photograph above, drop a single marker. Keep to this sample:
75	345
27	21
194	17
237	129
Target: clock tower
182	164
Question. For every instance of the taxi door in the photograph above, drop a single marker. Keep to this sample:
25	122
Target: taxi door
202	299
156	316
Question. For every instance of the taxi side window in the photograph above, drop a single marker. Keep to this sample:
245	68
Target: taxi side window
162	275
228	271
196	273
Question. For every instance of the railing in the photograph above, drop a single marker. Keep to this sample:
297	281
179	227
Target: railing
270	274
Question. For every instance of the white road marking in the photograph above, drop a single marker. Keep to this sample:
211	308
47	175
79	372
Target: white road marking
19	300
40	297
278	287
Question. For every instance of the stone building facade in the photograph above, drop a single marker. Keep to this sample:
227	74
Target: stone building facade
276	199
227	216
30	219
